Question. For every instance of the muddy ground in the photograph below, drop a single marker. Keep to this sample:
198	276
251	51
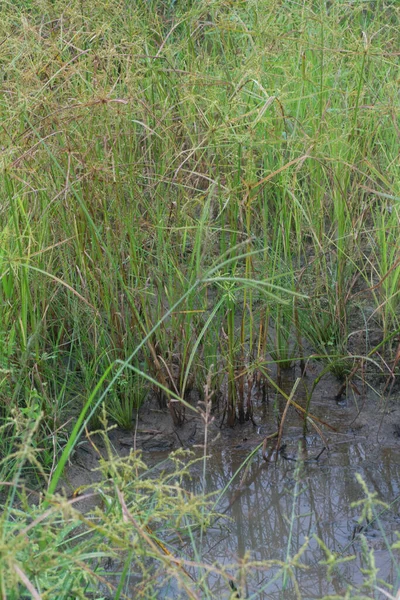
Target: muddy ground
361	415
361	435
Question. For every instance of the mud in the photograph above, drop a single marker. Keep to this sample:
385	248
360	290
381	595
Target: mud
363	437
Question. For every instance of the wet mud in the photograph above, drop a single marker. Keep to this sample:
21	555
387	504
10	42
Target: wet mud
363	437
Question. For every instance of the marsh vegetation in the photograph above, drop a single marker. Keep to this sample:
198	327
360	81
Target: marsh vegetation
196	197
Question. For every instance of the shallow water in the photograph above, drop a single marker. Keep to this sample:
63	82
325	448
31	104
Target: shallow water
276	506
260	514
271	508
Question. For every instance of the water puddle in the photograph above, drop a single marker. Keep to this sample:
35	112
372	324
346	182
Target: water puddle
270	509
278	506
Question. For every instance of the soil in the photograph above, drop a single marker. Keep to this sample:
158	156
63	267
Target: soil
360	416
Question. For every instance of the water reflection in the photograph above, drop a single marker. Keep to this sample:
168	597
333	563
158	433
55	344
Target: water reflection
270	515
275	507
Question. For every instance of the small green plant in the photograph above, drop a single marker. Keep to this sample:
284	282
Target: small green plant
125	400
58	551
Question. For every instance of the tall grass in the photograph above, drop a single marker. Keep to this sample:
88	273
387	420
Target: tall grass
190	188
141	142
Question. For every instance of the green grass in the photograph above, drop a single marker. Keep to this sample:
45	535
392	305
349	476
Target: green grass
190	190
142	142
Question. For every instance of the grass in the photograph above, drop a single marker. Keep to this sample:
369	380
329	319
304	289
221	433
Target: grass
190	188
